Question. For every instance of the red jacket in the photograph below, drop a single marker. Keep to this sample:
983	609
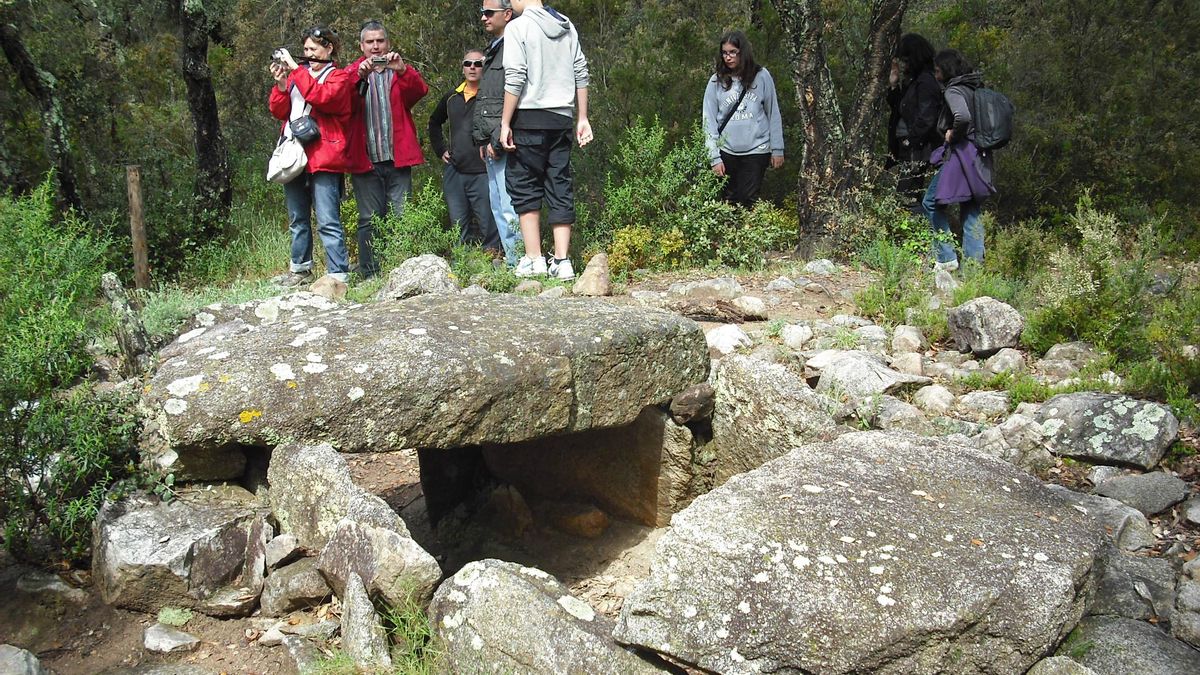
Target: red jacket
331	102
407	88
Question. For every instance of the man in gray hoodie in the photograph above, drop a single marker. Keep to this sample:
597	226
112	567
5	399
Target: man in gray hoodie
545	86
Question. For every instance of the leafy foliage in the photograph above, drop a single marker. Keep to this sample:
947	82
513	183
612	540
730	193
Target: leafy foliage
60	449
422	228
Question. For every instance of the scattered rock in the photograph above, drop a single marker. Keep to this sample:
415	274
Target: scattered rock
1018	441
1113	645
934	399
1191	511
296	586
521	619
553	293
328	287
579	520
475	290
164	639
890	413
961	546
52	587
149	554
1078	354
387	561
1185	615
282	550
595	280
694	403
857	374
362	634
796	335
821	267
423	274
1100	473
1149	493
985	325
752	308
712	310
1056	369
781	284
1134	587
907	339
1108	428
303	653
725	288
1059	665
872	336
850	321
528	287
727	339
1129	529
944	283
1007	360
983	403
17	661
909	363
312	491
762	411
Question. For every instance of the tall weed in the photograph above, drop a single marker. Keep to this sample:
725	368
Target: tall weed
422	228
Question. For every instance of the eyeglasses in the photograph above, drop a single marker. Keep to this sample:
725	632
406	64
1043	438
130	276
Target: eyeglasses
473	64
730	52
487	13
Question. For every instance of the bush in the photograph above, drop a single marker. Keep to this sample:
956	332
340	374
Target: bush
665	211
59	449
423	228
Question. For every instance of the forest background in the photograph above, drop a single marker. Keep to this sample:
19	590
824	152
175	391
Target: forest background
1105	92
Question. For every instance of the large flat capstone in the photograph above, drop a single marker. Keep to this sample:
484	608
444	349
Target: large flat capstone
876	552
432	372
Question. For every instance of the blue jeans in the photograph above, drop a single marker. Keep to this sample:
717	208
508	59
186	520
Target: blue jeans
375	191
466	196
503	214
969	211
320	192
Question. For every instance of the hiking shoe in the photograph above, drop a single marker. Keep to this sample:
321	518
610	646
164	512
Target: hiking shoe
293	279
561	269
530	267
948	266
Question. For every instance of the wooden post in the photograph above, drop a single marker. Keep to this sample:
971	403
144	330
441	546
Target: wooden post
137	228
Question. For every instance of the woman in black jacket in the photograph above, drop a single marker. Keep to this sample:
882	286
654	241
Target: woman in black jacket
915	99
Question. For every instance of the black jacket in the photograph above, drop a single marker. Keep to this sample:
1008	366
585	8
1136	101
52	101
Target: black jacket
464	154
912	127
485	127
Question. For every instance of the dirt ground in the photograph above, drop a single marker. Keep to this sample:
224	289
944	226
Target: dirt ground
86	636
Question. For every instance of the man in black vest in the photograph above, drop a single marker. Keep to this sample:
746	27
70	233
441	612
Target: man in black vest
489	107
464	178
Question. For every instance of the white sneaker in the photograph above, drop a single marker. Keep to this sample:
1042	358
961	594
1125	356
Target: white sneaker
949	265
562	269
530	267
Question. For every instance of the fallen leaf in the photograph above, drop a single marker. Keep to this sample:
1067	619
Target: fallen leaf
977	542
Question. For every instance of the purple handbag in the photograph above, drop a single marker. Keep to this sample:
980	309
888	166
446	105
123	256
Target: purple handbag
960	178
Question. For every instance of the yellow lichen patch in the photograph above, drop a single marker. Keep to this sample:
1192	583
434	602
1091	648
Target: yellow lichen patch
147	389
248	416
223	378
291	384
204	386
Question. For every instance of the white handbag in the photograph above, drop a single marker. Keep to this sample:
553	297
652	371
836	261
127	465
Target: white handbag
287	161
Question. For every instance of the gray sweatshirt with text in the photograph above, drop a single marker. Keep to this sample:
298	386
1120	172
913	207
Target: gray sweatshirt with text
755	128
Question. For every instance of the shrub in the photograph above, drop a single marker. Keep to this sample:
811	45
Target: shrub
422	228
662	209
60	449
900	294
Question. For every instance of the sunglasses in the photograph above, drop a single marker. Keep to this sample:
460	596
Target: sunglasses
487	13
473	64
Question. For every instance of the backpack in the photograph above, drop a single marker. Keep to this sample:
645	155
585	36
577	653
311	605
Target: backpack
993	119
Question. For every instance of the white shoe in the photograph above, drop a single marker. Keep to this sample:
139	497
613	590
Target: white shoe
530	267
562	269
949	265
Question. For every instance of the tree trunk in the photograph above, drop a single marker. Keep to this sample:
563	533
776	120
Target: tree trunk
213	191
836	149
41	85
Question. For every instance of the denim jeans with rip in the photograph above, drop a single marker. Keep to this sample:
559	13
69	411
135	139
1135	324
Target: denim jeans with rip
319	192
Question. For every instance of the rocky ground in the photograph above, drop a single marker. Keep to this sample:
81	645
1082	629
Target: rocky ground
59	617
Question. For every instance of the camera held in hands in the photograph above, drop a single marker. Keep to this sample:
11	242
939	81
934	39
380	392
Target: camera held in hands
280	55
379	60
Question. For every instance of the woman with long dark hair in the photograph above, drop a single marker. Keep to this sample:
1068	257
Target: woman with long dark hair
962	164
915	99
322	91
741	120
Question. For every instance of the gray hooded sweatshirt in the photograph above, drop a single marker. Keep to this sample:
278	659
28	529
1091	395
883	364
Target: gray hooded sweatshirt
754	129
543	63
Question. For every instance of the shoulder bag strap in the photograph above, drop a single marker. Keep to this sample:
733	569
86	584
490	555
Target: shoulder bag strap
733	110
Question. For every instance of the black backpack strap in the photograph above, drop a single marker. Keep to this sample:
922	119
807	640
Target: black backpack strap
733	110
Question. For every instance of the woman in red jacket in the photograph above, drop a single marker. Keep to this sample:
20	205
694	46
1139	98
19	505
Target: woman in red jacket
323	91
